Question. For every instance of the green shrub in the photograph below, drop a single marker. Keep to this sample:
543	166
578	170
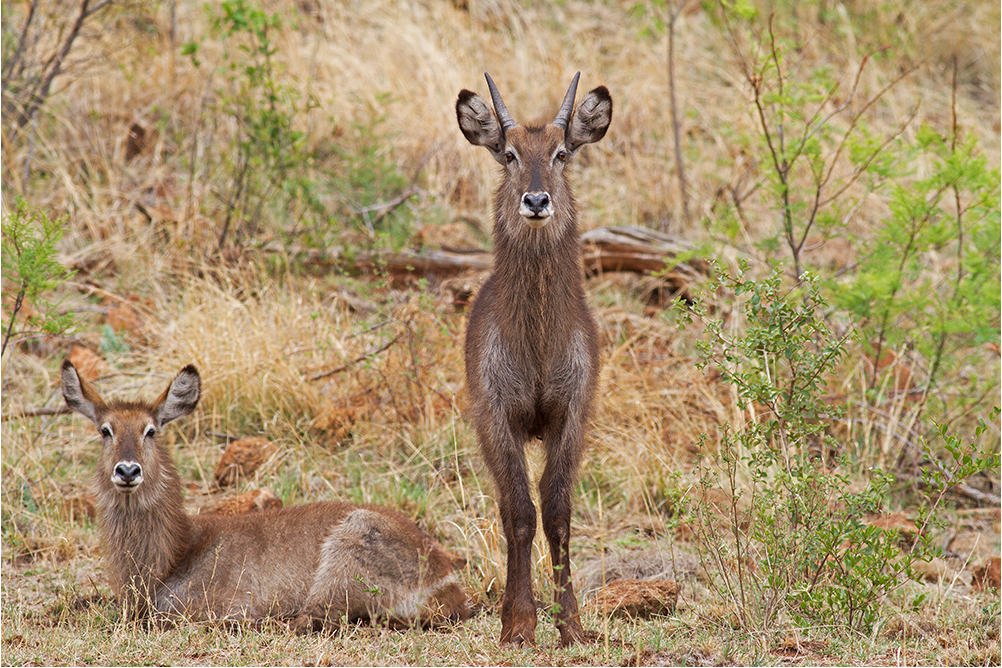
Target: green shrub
32	271
797	544
372	190
269	180
815	161
266	169
928	279
924	280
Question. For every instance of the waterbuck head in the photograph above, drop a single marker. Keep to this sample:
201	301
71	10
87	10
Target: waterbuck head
129	453
535	188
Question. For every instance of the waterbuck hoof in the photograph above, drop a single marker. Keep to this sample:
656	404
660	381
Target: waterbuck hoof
304	625
573	632
520	637
570	636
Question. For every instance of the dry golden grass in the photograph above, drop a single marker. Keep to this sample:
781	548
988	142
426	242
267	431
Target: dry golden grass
406	64
387	426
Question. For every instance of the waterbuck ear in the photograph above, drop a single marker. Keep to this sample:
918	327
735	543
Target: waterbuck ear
591	120
79	395
479	125
180	398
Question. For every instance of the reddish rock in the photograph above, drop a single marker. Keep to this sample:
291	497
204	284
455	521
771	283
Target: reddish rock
249	502
129	317
122	317
336	421
242	458
684	533
897	366
990	575
88	364
636	598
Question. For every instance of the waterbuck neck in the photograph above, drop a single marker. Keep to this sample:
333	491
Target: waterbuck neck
145	534
541	265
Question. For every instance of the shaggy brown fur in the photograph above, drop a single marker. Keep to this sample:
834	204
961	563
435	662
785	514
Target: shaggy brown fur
531	343
314	564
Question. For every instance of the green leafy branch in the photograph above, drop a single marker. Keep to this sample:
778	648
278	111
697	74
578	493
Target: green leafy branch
30	237
811	166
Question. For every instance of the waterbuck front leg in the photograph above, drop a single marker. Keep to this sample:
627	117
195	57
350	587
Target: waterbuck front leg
504	454
563	450
568	403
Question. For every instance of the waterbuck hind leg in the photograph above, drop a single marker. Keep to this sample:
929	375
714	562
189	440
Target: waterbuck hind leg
378	566
345	586
555	486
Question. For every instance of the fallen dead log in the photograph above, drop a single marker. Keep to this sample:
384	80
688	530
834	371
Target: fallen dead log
397	264
603	249
637	250
641	251
422	263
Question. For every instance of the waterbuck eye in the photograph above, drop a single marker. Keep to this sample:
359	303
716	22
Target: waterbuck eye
106	431
150	432
509	157
561	156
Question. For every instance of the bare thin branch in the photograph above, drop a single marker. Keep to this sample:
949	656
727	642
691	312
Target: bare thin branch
15	59
36	412
676	125
348	365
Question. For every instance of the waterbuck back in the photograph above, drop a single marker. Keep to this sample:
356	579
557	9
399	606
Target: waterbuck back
531	342
315	565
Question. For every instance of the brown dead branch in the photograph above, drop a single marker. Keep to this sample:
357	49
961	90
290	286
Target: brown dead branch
344	367
35	412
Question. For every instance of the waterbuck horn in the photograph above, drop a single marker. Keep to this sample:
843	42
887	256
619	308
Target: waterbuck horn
567	106
507	122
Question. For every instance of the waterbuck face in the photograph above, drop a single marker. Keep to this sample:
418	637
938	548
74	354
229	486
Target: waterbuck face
535	185
129	454
534	172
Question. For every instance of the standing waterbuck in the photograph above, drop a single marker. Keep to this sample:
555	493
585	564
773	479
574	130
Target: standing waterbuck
531	343
314	564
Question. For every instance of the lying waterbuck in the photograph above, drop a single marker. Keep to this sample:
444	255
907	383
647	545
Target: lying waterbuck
531	342
314	565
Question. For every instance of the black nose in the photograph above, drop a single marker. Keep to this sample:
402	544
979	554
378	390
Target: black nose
128	472
536	201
